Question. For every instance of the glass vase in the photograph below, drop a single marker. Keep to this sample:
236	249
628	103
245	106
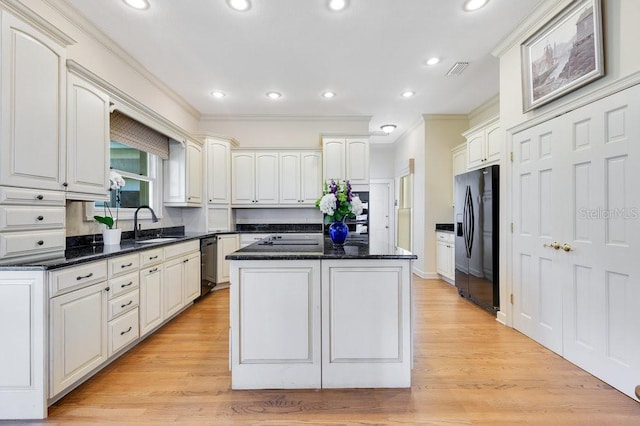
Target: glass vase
338	232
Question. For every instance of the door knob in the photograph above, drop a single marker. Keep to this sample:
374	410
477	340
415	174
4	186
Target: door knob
554	245
567	247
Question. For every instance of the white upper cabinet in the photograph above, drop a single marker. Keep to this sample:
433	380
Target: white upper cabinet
300	177
32	75
346	159
255	178
183	175
218	171
484	144
87	140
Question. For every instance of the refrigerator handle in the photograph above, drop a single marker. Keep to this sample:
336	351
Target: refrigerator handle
468	221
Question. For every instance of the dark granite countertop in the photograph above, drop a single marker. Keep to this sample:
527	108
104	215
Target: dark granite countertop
319	247
90	253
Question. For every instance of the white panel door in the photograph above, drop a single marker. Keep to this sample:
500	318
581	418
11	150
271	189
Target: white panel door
194	173
357	161
267	177
226	244
151	307
380	213
87	140
333	153
172	286
275	324
218	172
310	177
33	107
191	285
602	292
290	178
244	178
539	188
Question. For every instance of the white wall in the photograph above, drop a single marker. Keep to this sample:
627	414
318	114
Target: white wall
411	145
621	35
283	132
442	134
381	161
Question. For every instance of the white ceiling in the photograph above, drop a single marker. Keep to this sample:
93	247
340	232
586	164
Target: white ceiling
368	54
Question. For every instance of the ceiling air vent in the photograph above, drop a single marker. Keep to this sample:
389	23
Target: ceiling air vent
457	68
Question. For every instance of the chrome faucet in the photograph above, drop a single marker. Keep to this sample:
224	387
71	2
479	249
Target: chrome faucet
154	218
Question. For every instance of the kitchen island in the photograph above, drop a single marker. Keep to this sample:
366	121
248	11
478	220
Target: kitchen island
306	314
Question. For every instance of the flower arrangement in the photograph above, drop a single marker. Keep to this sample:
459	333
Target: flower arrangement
116	183
338	202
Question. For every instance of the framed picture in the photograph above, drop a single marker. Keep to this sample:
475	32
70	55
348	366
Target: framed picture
565	54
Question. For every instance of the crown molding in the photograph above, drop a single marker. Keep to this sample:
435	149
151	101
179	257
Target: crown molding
546	10
283	117
426	117
487	106
213	135
66	10
30	16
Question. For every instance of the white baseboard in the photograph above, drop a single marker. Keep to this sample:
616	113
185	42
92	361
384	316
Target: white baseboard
501	317
426	275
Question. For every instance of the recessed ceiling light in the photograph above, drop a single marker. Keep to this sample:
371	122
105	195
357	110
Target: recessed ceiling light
218	94
329	95
239	5
408	93
432	61
471	5
274	95
337	5
388	128
137	4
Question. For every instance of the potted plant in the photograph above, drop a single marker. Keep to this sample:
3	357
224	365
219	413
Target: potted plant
111	235
337	203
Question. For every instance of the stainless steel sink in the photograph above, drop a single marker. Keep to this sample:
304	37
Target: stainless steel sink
156	240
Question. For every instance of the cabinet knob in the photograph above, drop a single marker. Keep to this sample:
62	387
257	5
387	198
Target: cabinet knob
107	289
65	184
40	218
40	197
40	242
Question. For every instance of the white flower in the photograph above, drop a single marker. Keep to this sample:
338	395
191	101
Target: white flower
116	180
328	204
356	206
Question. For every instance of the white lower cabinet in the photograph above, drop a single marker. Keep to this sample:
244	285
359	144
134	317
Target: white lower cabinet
192	278
226	244
172	286
123	330
151	298
78	335
445	256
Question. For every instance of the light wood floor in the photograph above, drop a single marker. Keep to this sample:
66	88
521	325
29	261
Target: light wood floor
468	370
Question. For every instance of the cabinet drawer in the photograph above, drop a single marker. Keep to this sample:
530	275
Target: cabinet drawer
68	279
37	197
25	243
16	218
175	250
123	284
124	303
151	257
445	237
123	331
123	265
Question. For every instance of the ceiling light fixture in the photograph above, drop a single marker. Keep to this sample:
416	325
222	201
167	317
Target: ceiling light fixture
471	5
432	61
274	95
388	128
329	95
137	4
408	93
239	5
218	94
337	5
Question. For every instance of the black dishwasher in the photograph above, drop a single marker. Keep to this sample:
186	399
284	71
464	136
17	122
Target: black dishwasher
208	264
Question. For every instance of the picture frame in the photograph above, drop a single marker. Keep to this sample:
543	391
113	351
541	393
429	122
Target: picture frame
563	55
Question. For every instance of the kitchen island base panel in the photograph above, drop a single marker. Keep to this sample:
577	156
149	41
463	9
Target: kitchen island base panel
275	324
366	318
320	323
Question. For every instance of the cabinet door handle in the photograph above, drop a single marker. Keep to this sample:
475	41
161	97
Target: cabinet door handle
185	261
40	242
107	289
40	218
151	271
65	184
40	197
126	304
126	285
153	257
83	277
126	266
125	332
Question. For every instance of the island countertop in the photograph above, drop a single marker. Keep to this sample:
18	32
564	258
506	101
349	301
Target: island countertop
317	246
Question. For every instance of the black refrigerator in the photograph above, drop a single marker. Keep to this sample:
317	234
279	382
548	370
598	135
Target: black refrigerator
476	208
